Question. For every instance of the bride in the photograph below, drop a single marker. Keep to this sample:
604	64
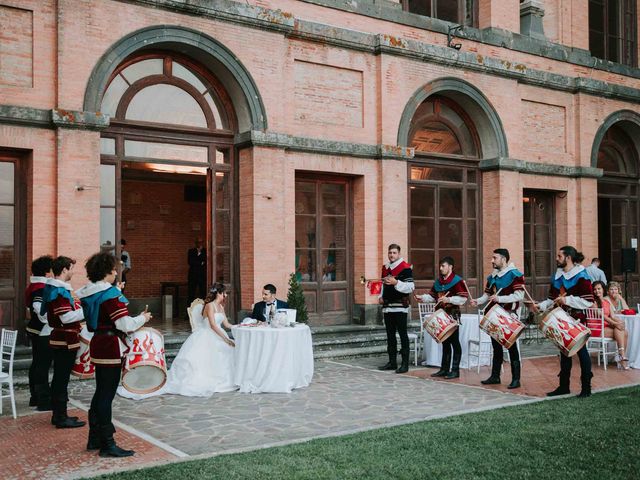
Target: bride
205	365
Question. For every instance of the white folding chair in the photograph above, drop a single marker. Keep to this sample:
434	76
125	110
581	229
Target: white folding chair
7	352
482	344
598	344
424	310
195	318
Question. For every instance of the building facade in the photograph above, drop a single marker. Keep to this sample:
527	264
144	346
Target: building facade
304	136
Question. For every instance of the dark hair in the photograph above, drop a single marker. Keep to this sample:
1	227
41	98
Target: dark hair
215	289
598	300
448	260
504	252
61	263
595	259
569	251
123	241
394	246
270	287
41	265
99	266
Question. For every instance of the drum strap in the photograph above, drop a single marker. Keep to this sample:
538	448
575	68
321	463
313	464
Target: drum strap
106	332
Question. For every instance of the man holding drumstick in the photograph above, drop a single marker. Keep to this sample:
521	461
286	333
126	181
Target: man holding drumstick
451	293
505	286
571	290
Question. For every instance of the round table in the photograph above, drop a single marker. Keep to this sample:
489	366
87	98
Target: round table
632	323
274	360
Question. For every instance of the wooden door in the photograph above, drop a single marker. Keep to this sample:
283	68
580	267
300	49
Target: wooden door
539	241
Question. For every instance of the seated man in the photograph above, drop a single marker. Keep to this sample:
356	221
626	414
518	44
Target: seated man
269	305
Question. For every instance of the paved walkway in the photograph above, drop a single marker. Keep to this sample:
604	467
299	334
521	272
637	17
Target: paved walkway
345	397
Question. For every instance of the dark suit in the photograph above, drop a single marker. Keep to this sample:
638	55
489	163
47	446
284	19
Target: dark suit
258	309
197	273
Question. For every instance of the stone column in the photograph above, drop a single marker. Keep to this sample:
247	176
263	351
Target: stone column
531	13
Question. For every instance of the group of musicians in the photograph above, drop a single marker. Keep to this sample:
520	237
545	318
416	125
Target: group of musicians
570	290
57	316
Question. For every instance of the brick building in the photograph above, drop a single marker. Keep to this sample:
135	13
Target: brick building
306	135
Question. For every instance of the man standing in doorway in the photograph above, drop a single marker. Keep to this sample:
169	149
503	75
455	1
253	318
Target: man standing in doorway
595	272
197	260
397	285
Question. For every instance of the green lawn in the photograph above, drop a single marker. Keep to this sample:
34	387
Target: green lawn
595	438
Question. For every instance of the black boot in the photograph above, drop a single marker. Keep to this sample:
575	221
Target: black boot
494	379
389	366
515	374
585	380
455	368
43	395
93	442
60	418
563	388
108	447
445	363
404	366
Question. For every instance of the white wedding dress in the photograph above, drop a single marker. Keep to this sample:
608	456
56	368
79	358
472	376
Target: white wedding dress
204	365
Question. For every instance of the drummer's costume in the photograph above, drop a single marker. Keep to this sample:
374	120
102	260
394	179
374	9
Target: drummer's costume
64	316
108	317
510	283
38	330
575	286
395	308
454	289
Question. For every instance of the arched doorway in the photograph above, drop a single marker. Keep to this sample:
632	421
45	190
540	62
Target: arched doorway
444	191
618	200
167	173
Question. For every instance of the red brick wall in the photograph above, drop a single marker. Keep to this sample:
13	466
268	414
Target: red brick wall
158	226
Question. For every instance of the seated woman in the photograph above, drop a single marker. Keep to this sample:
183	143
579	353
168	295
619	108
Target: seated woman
615	297
613	327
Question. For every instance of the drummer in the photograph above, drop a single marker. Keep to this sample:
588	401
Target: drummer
505	286
571	290
107	315
451	292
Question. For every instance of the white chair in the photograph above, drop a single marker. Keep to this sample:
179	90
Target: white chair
598	344
482	344
7	352
424	311
195	314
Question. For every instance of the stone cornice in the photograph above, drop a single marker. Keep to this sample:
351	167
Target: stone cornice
42	118
285	23
31	117
534	168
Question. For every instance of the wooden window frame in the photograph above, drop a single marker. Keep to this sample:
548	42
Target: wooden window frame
462	10
627	34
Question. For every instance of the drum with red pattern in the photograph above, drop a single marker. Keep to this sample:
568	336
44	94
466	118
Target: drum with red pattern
440	325
83	368
568	334
145	368
502	326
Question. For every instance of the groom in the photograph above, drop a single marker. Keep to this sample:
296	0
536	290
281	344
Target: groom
269	305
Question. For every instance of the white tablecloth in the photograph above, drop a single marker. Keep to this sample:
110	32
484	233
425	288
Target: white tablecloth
633	346
274	360
468	330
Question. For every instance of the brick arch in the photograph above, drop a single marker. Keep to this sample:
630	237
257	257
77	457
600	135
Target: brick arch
627	120
237	80
487	122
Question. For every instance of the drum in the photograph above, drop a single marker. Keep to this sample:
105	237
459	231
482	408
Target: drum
83	368
145	368
568	334
440	325
502	326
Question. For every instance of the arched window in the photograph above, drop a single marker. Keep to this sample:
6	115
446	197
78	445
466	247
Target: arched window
444	190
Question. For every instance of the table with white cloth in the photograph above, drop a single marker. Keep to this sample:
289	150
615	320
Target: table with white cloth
632	352
274	360
468	331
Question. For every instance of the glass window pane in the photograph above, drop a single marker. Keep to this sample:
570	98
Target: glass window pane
7	182
422	233
107	185
188	76
305	197
165	151
6	226
618	212
448	10
108	146
222	156
471	234
305	231
164	103
423	264
450	234
223	265
334	232
333	198
107	228
216	109
436	173
222	190
472	263
451	202
436	137
142	69
422	201
420	7
471	176
305	265
223	228
112	96
471	203
334	267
